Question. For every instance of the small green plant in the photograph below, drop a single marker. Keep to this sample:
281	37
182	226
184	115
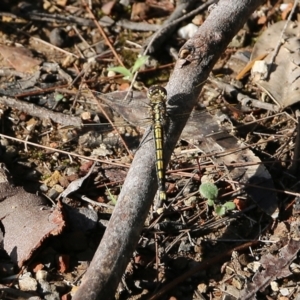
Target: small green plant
210	192
129	73
113	199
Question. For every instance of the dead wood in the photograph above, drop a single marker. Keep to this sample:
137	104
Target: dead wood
40	112
196	59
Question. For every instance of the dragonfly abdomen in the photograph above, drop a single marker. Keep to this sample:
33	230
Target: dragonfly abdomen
158	96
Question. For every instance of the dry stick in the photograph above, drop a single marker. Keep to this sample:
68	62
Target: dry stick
41	112
103	34
52	46
196	59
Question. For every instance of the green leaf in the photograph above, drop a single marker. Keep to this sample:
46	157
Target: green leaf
210	202
58	97
220	210
208	190
229	205
122	70
139	63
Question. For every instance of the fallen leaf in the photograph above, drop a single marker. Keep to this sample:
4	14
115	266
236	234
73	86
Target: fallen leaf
28	221
20	58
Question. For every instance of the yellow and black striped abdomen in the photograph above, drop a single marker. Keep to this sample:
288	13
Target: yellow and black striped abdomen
158	96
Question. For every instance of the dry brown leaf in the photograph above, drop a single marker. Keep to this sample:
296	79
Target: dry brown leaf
283	82
27	221
20	58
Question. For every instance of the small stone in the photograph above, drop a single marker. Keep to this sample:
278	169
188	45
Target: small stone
160	210
71	171
254	266
27	284
86	116
202	288
188	31
58	37
53	296
111	74
45	287
274	286
259	70
82	219
284	292
191	201
295	268
41	275
44	188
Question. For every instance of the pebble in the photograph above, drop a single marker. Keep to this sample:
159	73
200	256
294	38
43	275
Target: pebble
71	171
44	188
27	283
45	287
284	292
188	31
58	37
53	296
274	286
41	275
202	288
295	268
82	219
191	201
254	266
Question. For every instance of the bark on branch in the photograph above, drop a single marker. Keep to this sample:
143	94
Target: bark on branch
197	57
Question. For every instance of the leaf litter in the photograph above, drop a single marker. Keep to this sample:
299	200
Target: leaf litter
192	233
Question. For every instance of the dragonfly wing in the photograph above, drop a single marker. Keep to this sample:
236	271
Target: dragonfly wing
135	110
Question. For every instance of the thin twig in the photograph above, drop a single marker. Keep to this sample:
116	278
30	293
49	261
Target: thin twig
103	33
65	152
52	46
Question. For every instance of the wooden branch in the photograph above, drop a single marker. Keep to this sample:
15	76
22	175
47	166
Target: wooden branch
197	58
41	112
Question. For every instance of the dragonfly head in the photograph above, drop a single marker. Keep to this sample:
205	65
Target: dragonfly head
156	94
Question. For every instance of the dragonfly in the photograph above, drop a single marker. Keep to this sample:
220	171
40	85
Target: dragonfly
208	134
158	97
